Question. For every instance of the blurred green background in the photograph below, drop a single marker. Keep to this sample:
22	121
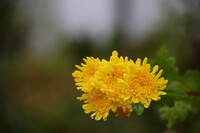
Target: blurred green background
41	41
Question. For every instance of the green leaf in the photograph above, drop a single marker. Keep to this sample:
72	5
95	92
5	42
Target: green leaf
191	81
139	108
177	104
176	113
174	92
167	63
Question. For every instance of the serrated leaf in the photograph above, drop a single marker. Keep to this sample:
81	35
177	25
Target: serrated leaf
170	72
176	113
177	101
167	63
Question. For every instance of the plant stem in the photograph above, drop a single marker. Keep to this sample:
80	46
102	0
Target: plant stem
194	93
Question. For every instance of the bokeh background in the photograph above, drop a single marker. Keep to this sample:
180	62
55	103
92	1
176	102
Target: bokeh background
42	40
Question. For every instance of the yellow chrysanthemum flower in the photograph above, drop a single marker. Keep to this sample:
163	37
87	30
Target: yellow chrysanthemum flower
142	85
86	73
107	78
116	84
96	102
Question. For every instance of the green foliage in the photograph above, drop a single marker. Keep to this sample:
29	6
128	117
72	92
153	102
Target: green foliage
167	63
178	112
181	99
191	84
191	81
138	108
170	72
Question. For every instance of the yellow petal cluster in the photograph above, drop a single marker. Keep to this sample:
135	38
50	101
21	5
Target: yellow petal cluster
117	84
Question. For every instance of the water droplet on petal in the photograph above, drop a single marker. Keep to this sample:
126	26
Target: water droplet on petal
105	119
92	117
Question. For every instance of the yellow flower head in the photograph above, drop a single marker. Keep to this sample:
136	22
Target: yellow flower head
117	84
85	73
96	102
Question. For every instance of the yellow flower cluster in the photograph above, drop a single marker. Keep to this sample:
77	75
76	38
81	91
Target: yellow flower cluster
117	84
